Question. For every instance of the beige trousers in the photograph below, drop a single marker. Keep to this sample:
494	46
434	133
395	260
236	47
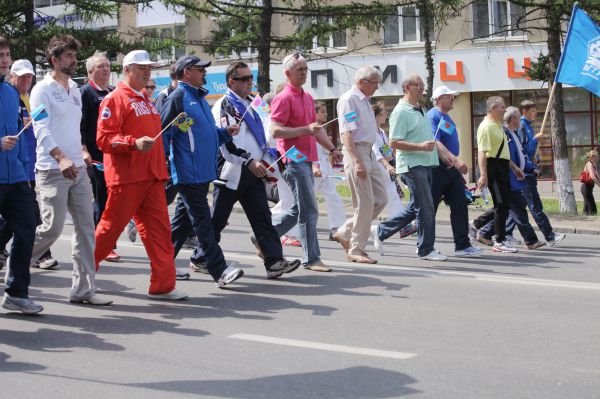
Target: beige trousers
369	198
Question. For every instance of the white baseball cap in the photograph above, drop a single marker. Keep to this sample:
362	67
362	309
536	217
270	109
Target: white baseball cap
140	57
440	91
22	67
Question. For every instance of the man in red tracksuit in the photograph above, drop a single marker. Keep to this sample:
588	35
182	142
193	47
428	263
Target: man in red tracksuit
135	172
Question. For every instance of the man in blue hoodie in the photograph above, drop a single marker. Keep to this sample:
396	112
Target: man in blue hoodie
16	202
194	146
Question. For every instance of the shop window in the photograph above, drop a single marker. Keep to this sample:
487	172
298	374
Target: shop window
404	27
498	18
323	42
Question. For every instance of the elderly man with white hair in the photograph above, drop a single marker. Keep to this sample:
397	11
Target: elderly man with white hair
358	128
293	124
447	181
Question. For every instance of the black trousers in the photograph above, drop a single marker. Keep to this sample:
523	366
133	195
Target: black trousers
499	186
5	232
589	204
252	196
17	209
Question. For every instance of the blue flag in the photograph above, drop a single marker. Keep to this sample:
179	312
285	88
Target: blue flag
39	113
446	126
295	155
580	61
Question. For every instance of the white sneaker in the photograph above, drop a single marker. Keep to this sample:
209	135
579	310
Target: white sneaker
173	295
23	305
229	275
377	243
434	255
131	231
469	252
513	240
504	246
557	238
181	274
472	231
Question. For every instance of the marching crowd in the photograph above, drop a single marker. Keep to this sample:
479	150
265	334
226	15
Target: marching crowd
113	158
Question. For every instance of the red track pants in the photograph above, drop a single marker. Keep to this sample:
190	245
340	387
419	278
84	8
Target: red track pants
145	201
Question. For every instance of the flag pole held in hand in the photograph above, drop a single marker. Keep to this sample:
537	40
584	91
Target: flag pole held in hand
37	115
182	121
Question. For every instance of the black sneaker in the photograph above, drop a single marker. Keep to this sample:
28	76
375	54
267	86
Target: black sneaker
45	262
282	266
199	267
191	243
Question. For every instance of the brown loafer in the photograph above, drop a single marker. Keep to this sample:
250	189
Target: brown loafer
343	242
362	259
536	245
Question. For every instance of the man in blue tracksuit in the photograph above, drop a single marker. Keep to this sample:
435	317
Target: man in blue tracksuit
194	149
529	141
16	201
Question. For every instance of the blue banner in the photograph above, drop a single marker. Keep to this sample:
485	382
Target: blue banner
215	83
580	61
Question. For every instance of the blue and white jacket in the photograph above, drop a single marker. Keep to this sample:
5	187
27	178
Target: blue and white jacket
519	158
193	154
13	163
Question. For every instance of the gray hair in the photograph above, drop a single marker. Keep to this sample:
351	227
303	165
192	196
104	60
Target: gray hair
493	102
366	72
411	79
510	113
290	61
91	62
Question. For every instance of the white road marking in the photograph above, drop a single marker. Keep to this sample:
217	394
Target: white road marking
324	347
425	270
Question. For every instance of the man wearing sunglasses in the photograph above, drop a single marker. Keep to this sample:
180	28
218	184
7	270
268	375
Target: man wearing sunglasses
194	147
293	123
243	175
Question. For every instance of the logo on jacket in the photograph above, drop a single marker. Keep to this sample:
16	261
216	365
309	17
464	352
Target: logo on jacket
106	113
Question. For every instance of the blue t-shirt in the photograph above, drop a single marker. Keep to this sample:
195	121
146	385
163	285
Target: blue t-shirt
450	141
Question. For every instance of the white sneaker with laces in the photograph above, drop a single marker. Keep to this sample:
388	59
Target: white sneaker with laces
377	243
23	305
557	238
434	255
505	247
229	275
513	240
181	274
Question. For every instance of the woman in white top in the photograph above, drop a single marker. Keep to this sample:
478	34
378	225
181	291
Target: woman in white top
325	179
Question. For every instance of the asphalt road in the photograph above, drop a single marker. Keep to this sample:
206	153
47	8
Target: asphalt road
502	326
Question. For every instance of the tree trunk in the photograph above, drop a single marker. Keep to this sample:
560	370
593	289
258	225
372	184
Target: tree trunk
426	19
562	167
30	45
264	48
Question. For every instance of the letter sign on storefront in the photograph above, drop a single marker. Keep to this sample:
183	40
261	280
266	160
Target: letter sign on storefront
457	77
512	74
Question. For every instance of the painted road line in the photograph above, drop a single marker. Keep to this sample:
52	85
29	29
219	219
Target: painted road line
324	347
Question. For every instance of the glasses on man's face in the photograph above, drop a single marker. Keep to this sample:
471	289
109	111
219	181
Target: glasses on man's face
245	79
418	84
200	69
376	82
150	87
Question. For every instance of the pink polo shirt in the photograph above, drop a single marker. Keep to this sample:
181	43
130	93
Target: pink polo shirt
295	108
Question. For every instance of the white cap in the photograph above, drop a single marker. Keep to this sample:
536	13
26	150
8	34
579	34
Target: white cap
440	91
22	67
140	57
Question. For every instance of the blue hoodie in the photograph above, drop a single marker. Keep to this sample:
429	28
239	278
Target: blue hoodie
193	154
528	167
13	163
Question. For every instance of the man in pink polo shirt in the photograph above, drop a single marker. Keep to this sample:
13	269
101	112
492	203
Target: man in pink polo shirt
293	123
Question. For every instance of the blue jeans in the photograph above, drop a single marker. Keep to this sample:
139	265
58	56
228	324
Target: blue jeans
420	207
534	203
304	210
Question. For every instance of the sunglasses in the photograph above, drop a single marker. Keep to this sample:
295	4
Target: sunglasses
150	87
247	78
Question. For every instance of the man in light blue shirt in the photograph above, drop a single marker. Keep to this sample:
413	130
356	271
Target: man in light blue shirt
416	156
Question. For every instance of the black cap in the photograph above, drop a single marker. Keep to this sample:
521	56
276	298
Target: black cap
188	61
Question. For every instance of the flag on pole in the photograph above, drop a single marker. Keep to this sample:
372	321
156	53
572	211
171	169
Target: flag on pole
446	126
260	106
295	155
580	60
39	113
351	116
183	122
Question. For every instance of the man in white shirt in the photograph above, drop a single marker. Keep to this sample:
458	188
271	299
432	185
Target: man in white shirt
242	171
61	168
358	130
